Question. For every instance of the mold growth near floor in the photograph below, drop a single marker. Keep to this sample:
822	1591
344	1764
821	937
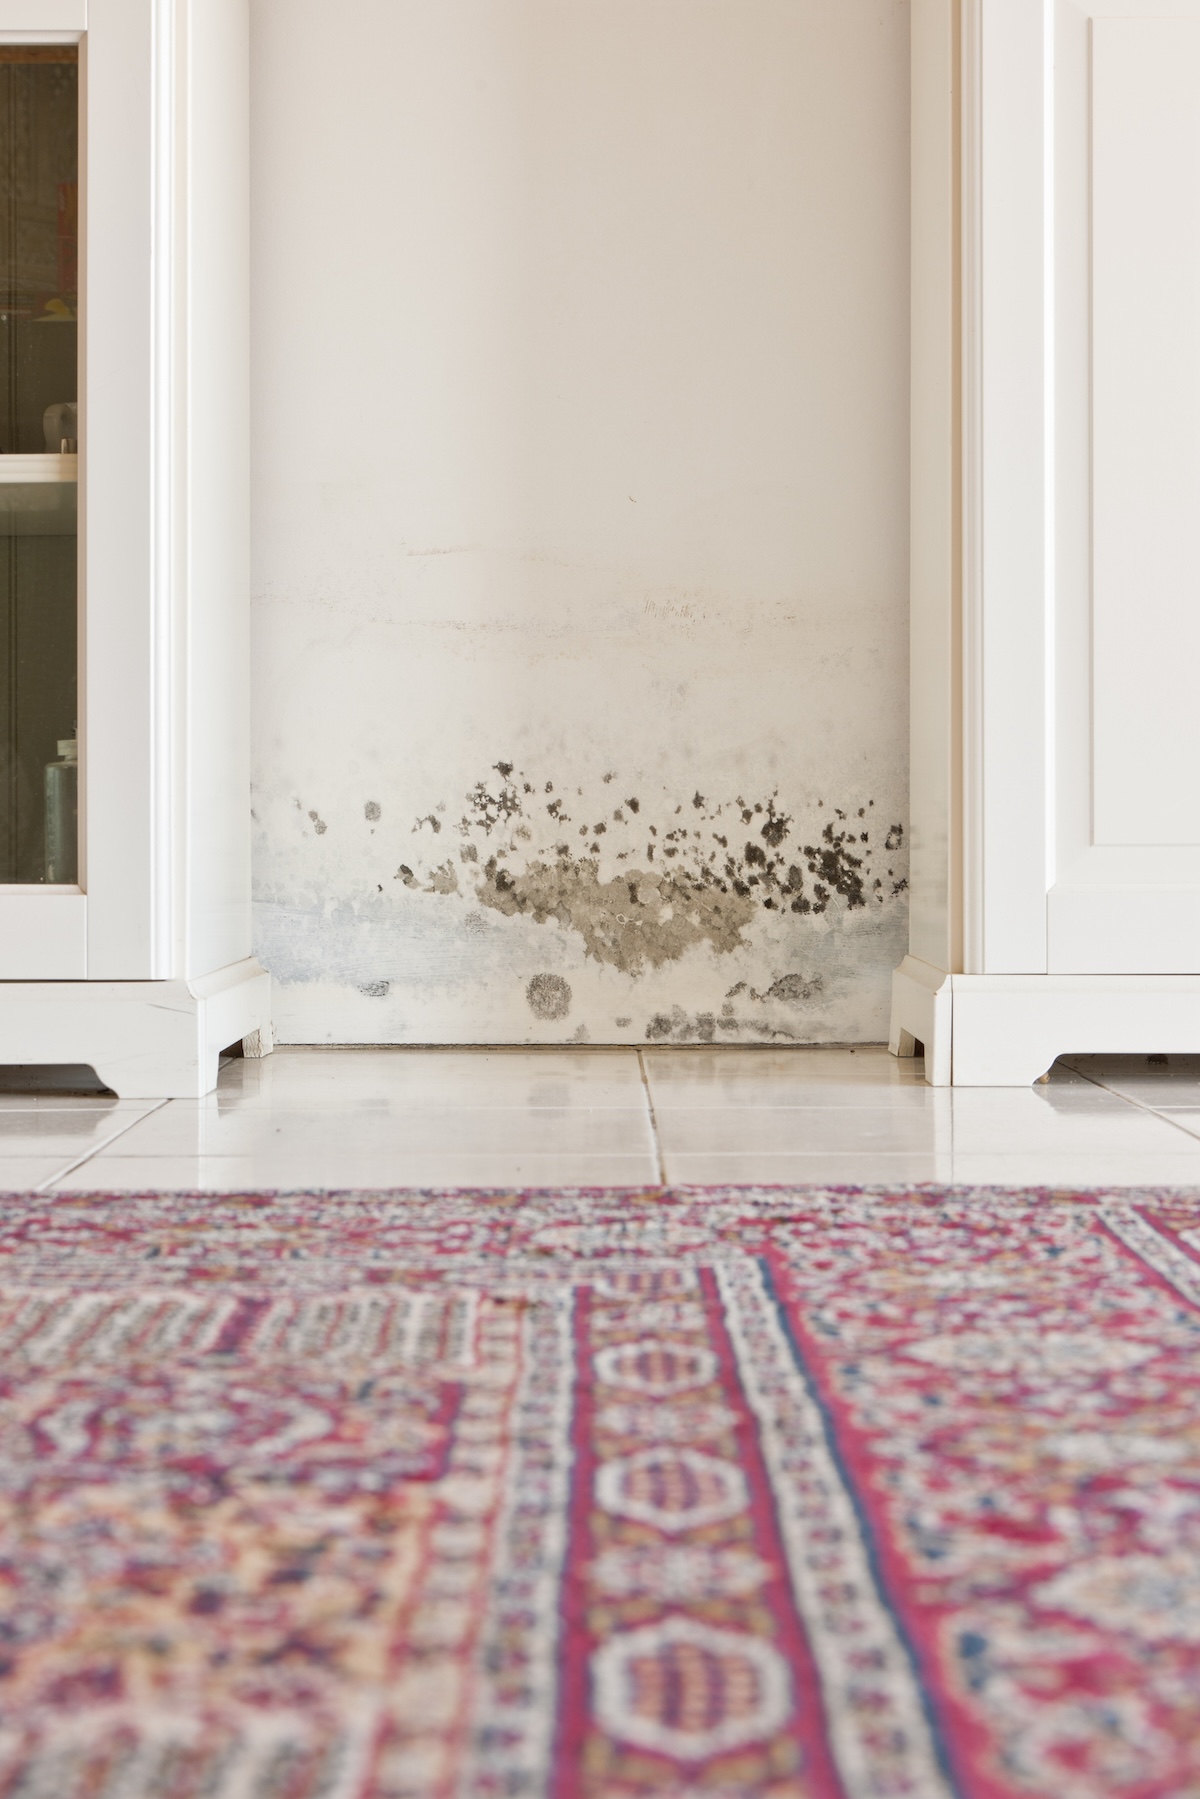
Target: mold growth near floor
643	883
618	912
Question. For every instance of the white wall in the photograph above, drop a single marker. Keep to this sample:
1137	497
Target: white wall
580	367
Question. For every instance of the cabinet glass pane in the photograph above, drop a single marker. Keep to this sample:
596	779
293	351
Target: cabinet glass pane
39	237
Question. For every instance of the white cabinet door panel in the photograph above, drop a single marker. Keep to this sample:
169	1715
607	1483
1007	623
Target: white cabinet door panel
1125	305
1146	430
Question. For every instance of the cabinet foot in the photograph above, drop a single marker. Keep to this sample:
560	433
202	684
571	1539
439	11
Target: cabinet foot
921	1013
1005	1030
145	1039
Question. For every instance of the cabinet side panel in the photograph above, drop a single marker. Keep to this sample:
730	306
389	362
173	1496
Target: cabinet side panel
217	528
1146	429
935	553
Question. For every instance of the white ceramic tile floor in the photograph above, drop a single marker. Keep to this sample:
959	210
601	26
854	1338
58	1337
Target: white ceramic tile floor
370	1118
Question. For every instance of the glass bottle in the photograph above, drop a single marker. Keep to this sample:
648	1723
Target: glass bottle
62	814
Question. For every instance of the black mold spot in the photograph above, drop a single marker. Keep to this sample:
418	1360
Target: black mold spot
487	810
376	989
503	769
549	996
372	811
622	1023
838	869
404	873
776	827
318	823
895	838
430	818
698	889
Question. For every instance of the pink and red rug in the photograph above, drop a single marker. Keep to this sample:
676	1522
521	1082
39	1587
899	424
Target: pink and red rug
721	1494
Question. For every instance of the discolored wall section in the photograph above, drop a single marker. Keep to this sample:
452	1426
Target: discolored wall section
580	518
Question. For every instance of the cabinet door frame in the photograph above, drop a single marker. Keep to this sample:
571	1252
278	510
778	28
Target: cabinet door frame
118	923
1041	894
1007	535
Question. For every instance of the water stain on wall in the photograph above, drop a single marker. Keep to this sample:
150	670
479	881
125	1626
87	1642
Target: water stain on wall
644	883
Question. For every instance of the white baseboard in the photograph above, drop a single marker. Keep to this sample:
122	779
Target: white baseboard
145	1039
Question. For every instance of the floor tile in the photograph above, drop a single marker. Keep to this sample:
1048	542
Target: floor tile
449	1169
810	1130
67	1132
1079	1168
1158	1081
22	1174
789	1077
203	1128
781	1170
999	1120
297	1078
1183	1121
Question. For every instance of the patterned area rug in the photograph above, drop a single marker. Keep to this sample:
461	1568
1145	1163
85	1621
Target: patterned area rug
708	1494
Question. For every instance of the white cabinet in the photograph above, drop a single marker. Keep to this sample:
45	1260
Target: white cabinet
123	550
1055	554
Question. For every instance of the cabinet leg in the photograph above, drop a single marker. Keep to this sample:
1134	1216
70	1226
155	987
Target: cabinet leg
259	1043
921	1013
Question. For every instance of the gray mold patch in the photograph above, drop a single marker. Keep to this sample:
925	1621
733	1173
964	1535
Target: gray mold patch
549	996
789	990
631	921
645	882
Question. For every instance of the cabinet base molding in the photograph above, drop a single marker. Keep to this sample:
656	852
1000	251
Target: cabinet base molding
145	1039
1004	1030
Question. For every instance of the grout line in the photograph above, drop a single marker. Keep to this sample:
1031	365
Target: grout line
1139	1105
61	1174
658	1154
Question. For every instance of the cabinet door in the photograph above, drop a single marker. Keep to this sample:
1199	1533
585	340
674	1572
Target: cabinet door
97	644
42	905
1081	480
1126	350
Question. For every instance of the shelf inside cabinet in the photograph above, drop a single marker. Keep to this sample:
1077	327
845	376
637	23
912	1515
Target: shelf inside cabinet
38	495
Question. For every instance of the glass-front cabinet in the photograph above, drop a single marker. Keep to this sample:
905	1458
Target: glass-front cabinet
124	700
39	443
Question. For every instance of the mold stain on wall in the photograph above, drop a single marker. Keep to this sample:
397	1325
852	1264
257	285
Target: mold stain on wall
641	884
623	878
